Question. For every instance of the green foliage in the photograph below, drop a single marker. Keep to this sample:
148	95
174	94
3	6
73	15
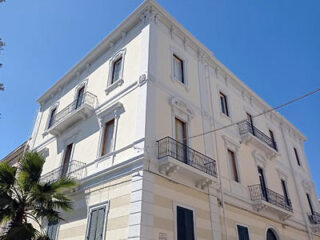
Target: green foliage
23	197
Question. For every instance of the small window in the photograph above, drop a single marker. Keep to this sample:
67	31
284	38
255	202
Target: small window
297	156
243	233
224	104
52	117
96	223
273	141
52	229
178	68
108	137
116	70
80	97
233	166
185	224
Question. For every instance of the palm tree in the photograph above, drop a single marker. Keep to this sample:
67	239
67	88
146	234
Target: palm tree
25	199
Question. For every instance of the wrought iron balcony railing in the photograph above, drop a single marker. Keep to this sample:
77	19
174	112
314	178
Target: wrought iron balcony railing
75	170
314	217
257	193
88	98
181	152
246	127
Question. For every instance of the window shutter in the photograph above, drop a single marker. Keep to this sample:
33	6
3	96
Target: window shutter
100	222
93	225
185	224
243	233
52	229
96	226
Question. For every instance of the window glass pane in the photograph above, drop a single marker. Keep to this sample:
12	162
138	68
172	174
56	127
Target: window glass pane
100	223
297	156
178	68
108	137
80	97
116	70
185	224
224	105
243	233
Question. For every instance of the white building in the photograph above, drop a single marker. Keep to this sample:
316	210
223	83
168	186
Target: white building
127	122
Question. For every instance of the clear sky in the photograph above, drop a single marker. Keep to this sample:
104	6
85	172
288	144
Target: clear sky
271	45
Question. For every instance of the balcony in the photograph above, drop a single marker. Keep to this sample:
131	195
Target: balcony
73	113
314	219
268	201
175	157
76	170
250	133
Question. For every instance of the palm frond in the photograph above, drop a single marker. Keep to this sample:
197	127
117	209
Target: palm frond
7	176
30	169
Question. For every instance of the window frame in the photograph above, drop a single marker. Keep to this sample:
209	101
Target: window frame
225	101
175	206
181	56
104	135
111	85
106	205
242	225
234	164
176	58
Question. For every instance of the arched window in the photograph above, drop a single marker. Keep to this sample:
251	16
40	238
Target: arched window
271	235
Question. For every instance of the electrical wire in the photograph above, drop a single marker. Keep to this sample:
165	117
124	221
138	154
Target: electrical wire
257	115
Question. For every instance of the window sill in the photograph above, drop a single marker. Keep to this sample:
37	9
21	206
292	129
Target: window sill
114	85
177	81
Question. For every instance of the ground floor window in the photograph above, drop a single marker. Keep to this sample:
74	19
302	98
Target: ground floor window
96	224
52	229
243	233
185	224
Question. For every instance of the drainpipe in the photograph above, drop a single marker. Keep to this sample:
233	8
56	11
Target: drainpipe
295	180
218	162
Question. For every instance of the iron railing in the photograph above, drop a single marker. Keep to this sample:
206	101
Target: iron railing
246	127
88	98
76	170
314	217
183	153
258	193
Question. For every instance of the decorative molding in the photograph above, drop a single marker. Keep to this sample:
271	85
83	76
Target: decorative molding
179	106
114	86
282	174
107	113
230	143
260	160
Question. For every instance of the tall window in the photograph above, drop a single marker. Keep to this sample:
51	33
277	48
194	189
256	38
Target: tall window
310	203
80	97
116	69
185	224
66	160
178	68
243	233
224	104
233	166
181	134
52	117
96	224
272	139
108	137
52	229
297	156
285	192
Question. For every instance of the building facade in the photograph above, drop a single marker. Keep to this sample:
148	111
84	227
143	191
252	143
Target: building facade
133	122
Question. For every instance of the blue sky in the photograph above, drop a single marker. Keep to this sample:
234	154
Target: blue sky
273	46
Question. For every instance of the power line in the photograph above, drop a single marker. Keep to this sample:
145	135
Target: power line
262	113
